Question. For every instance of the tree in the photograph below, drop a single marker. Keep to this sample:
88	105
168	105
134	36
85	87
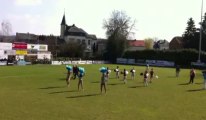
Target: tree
71	49
190	35
149	43
6	28
118	28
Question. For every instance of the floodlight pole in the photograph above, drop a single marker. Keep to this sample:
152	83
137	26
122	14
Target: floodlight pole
200	34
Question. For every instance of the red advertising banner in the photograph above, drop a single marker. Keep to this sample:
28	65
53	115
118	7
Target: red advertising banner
19	45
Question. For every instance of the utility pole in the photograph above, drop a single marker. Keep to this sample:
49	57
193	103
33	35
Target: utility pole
200	41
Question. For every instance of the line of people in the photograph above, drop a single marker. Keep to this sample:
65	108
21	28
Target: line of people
80	72
148	76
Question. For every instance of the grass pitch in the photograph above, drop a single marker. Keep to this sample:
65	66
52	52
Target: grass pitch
39	92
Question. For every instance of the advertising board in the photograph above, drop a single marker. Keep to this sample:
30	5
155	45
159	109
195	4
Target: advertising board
44	55
21	52
122	60
5	46
33	46
43	48
10	52
19	45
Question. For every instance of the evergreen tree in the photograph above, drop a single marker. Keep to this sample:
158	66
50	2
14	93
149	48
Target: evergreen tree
190	36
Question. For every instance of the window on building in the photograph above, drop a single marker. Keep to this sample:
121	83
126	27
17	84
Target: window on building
83	41
88	42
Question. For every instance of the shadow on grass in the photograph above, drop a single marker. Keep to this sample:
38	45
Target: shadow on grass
88	95
139	86
95	82
52	87
184	84
196	90
62	92
199	83
70	79
115	84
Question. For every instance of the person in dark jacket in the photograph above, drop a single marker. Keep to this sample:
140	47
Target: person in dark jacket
192	75
75	71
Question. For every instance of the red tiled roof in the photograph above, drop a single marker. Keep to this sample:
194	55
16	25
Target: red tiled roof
137	43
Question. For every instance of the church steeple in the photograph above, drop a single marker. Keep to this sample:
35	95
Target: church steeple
63	26
63	20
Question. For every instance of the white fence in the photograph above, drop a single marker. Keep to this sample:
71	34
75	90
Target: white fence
78	62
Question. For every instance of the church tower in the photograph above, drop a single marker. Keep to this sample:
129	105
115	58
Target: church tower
63	27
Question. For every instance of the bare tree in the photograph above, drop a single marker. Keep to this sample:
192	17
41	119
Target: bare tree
118	29
121	22
6	28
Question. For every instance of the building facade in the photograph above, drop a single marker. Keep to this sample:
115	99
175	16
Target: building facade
72	33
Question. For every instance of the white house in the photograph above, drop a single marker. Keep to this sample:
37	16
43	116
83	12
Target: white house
73	33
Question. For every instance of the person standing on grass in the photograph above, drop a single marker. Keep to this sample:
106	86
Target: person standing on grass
107	74
75	72
117	72
192	75
177	70
151	75
125	72
103	82
204	75
69	74
132	73
146	75
147	66
81	74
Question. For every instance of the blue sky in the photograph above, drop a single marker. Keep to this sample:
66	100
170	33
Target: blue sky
162	19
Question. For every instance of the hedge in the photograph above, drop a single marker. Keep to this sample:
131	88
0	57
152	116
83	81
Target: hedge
180	57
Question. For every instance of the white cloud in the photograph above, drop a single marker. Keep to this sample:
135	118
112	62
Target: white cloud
28	2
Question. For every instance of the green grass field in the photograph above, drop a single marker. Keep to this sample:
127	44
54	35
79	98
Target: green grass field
39	92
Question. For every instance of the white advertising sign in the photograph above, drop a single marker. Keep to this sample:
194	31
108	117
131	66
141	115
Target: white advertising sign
42	56
10	52
1	52
19	57
2	55
43	47
33	46
5	46
39	47
3	62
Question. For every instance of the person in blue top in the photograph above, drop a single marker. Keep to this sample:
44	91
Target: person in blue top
81	74
69	73
204	75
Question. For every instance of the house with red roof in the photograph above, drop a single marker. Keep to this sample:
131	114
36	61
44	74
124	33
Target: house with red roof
136	45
